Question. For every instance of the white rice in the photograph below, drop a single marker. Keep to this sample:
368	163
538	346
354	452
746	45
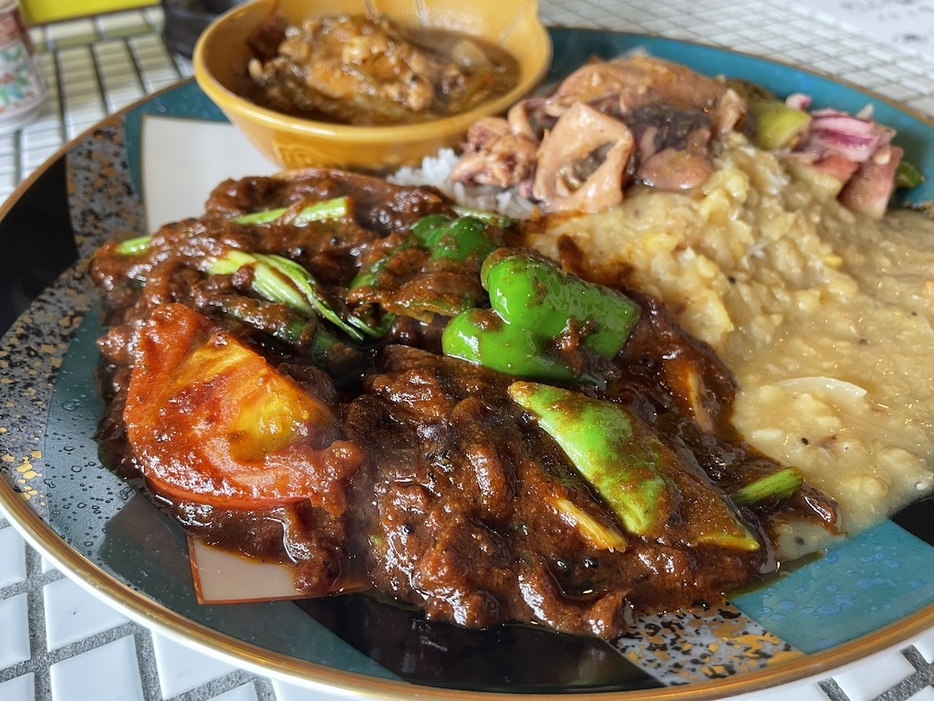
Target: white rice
436	171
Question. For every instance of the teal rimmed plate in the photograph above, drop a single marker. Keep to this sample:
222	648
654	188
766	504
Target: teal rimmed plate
873	593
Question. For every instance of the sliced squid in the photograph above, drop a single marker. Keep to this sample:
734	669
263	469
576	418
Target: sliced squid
639	80
582	162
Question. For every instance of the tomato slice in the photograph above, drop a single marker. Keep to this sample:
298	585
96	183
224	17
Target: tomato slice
211	421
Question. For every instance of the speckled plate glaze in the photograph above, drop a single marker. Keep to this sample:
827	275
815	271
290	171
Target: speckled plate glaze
871	593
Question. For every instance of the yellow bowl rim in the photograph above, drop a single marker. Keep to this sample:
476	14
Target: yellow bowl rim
231	103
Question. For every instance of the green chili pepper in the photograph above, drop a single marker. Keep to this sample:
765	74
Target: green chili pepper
452	246
639	478
777	485
778	125
444	238
458	239
279	279
481	337
326	210
370	275
533	304
134	247
463	238
534	293
429	229
611	449
501	221
907	175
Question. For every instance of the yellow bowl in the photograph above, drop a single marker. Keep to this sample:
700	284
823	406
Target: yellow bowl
221	55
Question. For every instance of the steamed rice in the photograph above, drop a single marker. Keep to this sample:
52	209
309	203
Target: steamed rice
435	170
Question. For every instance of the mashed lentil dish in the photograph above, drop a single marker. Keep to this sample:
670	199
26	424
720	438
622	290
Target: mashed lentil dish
686	360
823	316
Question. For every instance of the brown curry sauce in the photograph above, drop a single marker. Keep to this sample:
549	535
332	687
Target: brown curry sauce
447	503
369	71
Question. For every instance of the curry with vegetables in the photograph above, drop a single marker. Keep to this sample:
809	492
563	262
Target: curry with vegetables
386	392
368	70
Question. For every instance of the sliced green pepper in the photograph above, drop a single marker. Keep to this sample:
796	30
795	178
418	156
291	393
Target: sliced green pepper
326	210
279	279
639	478
134	247
458	239
611	449
481	337
428	230
445	239
369	276
534	293
463	238
907	175
777	485
501	221
452	246
534	303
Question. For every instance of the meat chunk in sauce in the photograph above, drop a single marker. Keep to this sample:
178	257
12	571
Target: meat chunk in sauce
413	473
468	523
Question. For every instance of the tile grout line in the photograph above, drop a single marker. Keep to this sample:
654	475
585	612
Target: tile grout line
60	90
37	632
101	85
137	65
32	588
145	659
221	685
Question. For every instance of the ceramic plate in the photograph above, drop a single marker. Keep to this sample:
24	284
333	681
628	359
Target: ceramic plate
873	592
